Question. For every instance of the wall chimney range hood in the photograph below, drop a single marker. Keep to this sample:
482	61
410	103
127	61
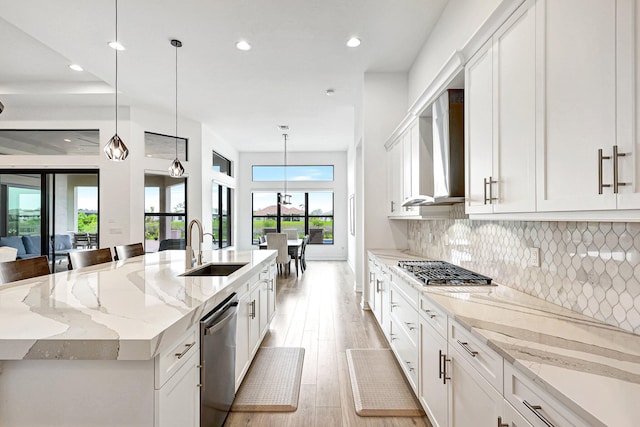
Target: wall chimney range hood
447	168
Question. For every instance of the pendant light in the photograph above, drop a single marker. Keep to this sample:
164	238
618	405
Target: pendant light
115	148
285	199
176	169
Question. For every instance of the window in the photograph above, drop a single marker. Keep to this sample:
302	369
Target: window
68	142
165	211
294	173
221	216
221	164
309	213
49	212
164	146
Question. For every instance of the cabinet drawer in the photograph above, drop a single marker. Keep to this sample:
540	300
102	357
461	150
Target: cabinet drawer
536	405
433	315
486	361
408	291
406	352
404	312
169	361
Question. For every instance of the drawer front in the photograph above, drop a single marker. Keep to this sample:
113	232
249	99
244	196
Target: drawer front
433	315
404	312
536	406
170	361
408	291
486	361
406	352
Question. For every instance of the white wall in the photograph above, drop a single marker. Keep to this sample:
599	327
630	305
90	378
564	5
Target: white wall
121	183
213	142
456	25
337	251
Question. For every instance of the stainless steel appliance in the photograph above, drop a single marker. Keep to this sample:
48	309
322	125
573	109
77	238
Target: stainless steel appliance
447	168
442	273
218	362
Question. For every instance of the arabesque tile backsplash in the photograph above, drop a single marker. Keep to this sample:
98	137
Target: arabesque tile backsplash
592	268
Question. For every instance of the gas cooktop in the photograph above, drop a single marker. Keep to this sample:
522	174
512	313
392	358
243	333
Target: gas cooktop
442	273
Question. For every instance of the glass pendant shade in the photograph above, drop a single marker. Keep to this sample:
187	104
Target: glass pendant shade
115	149
176	169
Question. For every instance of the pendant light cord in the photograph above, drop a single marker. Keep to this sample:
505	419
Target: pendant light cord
176	100
285	167
116	68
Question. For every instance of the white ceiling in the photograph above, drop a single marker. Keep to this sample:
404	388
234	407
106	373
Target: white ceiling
298	52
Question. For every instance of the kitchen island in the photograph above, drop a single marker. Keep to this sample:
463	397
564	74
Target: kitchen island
527	359
100	345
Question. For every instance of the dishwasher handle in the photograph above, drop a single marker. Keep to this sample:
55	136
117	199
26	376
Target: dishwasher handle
220	322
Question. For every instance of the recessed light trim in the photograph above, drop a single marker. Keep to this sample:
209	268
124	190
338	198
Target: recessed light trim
116	45
353	42
243	45
66	140
330	92
76	67
283	127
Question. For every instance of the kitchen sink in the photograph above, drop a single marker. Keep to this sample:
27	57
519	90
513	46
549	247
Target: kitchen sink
214	270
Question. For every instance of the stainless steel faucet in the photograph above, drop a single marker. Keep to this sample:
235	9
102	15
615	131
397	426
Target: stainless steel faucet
188	250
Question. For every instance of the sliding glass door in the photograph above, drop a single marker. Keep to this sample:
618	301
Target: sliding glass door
49	212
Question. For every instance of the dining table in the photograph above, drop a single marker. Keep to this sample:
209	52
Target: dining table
293	246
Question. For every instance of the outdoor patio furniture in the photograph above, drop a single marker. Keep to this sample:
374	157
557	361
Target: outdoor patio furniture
316	235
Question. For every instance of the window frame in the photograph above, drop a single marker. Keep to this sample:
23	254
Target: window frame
220	217
305	217
165	214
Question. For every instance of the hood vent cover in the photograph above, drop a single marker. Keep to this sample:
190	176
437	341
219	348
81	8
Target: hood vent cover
447	167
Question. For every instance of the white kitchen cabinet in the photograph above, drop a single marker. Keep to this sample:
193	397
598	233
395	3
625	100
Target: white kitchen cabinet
256	305
584	55
272	292
433	390
411	162
178	400
511	417
473	401
394	179
536	405
500	107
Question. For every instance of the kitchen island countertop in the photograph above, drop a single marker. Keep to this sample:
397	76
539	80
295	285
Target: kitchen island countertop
122	310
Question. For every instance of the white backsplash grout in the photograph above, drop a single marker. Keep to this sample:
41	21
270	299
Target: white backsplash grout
592	268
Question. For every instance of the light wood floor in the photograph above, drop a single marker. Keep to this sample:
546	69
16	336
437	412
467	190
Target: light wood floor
320	311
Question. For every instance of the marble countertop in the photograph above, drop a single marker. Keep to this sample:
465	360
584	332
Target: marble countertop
122	310
591	367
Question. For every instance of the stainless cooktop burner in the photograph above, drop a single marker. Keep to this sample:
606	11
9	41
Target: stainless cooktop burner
442	273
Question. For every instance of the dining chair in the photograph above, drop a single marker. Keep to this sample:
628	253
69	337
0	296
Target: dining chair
278	242
81	259
303	250
292	233
12	271
8	253
128	251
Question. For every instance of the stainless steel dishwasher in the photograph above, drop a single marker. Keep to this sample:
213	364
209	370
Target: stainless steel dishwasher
218	362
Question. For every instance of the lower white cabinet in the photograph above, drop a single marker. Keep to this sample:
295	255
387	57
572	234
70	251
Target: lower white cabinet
256	308
178	401
473	401
512	418
434	386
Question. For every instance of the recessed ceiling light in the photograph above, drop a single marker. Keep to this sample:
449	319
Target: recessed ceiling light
353	42
243	45
76	67
66	140
116	45
283	127
330	92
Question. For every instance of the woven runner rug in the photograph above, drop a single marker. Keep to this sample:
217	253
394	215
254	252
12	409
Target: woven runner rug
273	381
379	388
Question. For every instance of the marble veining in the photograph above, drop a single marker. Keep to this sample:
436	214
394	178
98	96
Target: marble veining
124	310
592	268
591	367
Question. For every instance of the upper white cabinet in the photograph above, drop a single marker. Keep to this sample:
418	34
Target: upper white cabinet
394	179
578	118
500	106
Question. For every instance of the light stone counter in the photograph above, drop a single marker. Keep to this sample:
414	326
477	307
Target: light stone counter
123	310
591	367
